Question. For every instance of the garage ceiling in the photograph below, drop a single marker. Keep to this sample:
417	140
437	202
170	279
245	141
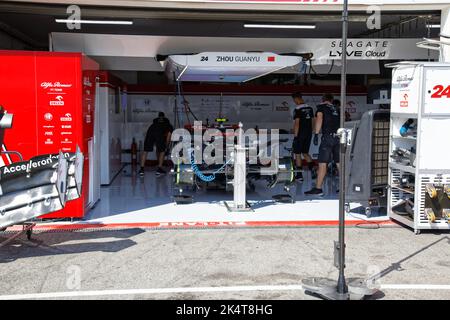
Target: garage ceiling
37	21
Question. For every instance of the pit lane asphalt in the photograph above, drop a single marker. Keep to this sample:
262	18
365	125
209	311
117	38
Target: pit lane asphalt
152	259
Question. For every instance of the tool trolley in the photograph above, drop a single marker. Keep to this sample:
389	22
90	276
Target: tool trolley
419	164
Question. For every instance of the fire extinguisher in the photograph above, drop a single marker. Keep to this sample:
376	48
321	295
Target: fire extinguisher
134	153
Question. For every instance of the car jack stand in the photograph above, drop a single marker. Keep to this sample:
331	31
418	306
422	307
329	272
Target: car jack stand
183	199
284	197
27	228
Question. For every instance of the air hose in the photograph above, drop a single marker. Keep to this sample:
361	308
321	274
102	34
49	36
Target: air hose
200	174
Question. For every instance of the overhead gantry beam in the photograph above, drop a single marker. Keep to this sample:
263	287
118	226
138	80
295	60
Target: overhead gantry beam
254	5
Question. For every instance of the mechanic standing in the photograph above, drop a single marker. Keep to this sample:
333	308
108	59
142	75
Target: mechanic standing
303	127
158	134
327	120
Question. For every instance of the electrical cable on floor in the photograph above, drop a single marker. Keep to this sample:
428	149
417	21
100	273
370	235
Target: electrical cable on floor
366	223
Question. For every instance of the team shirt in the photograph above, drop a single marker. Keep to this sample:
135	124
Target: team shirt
331	118
305	114
160	127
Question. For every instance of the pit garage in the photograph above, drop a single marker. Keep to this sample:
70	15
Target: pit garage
230	69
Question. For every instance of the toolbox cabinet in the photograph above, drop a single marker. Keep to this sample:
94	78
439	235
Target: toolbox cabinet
419	181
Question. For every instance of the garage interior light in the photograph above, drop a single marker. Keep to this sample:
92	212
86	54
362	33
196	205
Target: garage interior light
94	21
280	26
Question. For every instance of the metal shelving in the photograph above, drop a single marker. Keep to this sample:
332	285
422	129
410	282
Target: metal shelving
404	138
413	89
403	189
402	167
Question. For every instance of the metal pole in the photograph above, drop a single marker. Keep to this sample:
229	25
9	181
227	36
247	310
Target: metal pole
324	287
341	285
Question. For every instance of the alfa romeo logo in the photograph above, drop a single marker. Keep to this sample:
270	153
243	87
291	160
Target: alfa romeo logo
48	116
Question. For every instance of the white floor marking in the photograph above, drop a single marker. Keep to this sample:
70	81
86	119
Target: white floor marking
415	286
97	293
148	291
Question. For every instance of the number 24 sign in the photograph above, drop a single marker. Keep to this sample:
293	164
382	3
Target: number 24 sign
440	91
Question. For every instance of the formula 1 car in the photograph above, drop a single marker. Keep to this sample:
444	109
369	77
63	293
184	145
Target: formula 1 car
190	176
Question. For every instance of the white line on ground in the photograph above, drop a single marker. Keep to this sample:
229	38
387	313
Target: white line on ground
147	291
98	293
415	286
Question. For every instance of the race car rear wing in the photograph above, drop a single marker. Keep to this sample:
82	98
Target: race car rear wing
42	185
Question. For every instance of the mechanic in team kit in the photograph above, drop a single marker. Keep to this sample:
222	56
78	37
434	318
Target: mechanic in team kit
303	127
158	134
327	121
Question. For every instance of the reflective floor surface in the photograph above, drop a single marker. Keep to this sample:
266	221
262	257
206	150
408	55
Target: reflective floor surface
132	199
